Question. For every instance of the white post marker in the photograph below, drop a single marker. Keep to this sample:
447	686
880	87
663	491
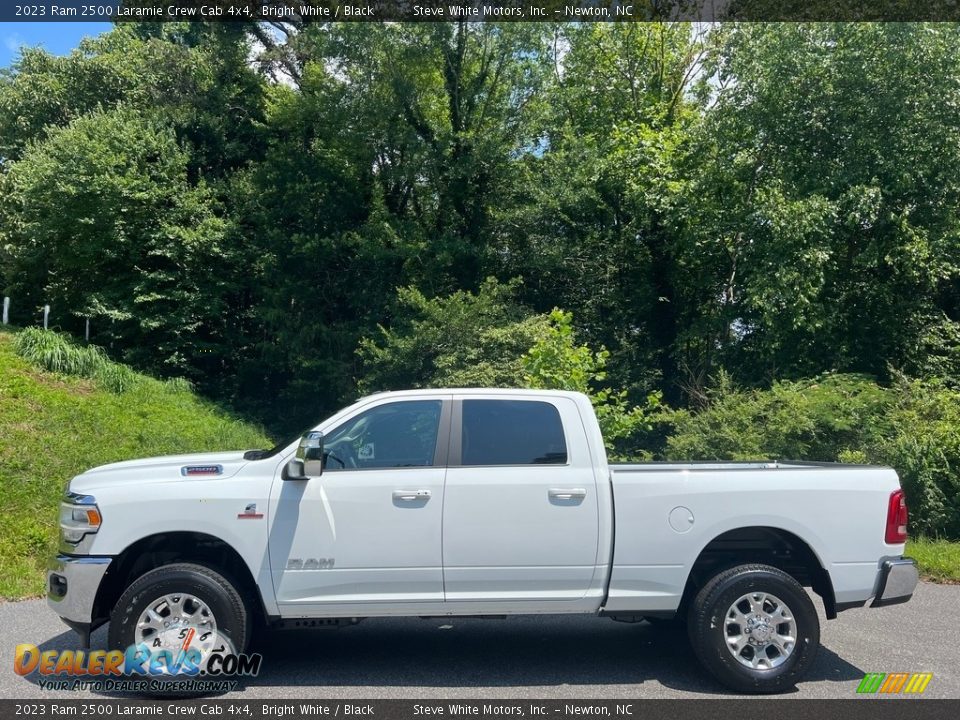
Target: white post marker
87	334
6	311
46	315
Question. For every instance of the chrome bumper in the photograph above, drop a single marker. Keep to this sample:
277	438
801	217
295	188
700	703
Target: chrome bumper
72	583
898	580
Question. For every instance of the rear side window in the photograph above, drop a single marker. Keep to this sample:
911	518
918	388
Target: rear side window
512	432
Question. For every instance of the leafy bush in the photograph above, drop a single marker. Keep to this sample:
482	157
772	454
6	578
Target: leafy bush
459	340
924	447
912	426
814	419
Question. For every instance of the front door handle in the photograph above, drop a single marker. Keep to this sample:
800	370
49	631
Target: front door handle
411	495
567	493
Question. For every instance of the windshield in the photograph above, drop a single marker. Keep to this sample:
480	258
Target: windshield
275	450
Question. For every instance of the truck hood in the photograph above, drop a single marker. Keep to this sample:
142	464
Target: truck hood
167	468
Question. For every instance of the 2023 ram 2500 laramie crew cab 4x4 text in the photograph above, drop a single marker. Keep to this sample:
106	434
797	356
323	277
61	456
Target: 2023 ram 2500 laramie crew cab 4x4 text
480	502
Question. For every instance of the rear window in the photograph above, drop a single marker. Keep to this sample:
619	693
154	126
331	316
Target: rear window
512	432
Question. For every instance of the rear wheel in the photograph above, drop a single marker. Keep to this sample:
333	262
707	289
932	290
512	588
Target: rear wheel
755	629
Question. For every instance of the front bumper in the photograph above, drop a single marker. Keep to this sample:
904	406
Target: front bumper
898	580
72	584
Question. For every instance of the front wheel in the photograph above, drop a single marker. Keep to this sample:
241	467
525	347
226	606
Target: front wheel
755	629
180	615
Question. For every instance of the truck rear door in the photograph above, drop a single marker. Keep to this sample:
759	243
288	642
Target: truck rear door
520	515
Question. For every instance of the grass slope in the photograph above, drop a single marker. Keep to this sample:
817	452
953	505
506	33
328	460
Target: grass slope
54	426
939	560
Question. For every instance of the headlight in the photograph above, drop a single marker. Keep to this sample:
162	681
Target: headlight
79	517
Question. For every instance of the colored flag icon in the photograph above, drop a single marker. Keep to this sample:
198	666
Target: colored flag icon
918	682
894	683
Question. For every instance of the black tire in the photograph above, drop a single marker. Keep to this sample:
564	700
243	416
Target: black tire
219	593
708	629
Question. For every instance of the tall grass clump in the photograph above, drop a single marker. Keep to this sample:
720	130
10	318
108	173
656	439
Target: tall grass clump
54	352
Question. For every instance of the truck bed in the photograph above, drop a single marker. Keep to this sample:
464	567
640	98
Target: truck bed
700	466
666	513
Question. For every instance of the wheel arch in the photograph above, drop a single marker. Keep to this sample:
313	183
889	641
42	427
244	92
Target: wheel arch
154	551
766	545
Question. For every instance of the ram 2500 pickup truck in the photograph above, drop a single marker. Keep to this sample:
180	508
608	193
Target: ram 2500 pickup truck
481	503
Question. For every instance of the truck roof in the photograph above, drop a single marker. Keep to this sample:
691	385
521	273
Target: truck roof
477	391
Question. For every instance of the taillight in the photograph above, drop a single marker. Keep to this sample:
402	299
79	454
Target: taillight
897	518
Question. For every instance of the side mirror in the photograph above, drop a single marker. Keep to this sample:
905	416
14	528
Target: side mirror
308	462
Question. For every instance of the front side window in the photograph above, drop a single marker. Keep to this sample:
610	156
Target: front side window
512	432
395	435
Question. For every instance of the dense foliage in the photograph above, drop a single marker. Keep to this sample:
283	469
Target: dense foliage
460	340
912	425
657	213
924	446
825	418
557	362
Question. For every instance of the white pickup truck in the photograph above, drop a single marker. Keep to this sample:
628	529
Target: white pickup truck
480	503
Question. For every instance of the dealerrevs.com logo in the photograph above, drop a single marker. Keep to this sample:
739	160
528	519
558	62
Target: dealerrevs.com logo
183	658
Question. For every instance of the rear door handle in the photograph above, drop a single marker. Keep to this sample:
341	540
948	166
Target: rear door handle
411	495
567	493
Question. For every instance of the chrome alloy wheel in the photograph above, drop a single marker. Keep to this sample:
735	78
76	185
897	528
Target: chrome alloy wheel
760	631
177	622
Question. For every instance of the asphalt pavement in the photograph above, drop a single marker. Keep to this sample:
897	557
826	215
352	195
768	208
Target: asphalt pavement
536	656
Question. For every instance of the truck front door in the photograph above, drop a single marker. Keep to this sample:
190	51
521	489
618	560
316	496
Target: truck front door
368	530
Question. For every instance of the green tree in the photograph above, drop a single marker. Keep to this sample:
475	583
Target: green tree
445	109
193	85
383	168
325	255
460	340
111	228
824	214
557	362
197	80
597	230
